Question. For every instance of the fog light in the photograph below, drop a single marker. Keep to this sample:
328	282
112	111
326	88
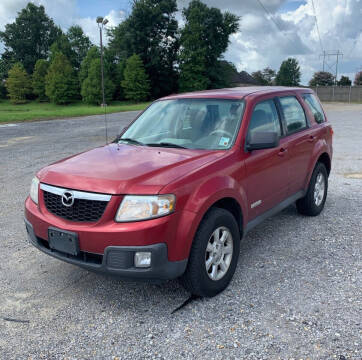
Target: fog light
142	259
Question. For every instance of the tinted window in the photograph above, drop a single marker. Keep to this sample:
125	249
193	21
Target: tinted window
265	118
293	114
315	107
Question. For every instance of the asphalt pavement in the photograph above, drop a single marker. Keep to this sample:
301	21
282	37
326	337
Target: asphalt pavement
296	292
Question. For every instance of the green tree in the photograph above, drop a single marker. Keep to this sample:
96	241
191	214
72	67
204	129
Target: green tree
18	84
204	38
92	86
62	45
289	73
93	53
151	31
344	81
322	78
29	37
61	84
136	85
118	75
3	75
79	42
265	76
358	78
226	74
38	79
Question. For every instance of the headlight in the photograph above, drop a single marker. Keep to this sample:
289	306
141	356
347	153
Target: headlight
34	189
134	208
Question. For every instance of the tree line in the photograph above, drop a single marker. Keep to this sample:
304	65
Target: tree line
148	55
289	75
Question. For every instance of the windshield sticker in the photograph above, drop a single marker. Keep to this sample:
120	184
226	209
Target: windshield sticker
224	141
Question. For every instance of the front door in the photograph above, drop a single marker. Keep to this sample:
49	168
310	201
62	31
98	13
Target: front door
267	169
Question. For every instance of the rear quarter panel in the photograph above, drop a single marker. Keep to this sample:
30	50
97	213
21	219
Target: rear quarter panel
323	133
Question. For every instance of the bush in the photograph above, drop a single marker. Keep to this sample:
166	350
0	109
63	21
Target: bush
136	84
38	82
18	84
322	78
61	84
92	85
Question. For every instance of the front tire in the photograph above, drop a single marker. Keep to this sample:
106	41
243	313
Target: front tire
313	202
214	254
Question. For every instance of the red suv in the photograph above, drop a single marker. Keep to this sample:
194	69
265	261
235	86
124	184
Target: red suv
173	195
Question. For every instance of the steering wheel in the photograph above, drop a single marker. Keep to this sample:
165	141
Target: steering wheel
221	132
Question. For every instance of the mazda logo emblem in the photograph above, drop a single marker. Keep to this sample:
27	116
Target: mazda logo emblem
67	198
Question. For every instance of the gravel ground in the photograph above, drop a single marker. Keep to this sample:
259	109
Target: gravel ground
296	292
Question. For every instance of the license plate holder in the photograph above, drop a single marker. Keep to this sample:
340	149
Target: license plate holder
64	241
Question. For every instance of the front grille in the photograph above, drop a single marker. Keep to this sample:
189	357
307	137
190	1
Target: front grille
82	210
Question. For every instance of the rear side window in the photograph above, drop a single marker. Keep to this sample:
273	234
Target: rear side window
265	118
293	114
314	105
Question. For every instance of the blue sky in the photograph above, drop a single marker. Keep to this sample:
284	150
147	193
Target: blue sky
290	5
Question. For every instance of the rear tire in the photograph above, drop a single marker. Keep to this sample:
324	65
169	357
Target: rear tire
313	202
214	254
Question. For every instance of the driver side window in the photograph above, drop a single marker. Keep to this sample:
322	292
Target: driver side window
265	118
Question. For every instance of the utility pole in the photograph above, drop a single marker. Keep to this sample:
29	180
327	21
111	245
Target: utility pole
338	54
326	55
324	58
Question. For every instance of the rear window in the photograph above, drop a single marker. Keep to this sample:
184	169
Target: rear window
316	108
293	114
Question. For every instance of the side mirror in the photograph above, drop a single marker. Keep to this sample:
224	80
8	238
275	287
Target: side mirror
262	140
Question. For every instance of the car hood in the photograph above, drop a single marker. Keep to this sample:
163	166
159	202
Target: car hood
125	169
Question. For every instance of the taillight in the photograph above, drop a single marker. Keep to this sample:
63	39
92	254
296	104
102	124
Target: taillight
332	132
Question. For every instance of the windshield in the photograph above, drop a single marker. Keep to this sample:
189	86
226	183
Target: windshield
187	123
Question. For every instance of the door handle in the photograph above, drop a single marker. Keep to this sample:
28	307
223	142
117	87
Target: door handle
282	152
311	138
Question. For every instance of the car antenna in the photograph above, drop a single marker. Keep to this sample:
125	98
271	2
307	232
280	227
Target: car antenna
101	23
105	121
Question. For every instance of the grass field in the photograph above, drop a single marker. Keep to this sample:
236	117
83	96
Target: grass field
41	111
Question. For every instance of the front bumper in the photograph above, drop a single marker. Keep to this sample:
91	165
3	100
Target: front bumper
118	260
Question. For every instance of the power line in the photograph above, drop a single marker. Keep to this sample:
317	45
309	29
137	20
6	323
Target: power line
316	23
270	14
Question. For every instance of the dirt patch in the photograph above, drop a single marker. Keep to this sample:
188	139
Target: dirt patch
353	176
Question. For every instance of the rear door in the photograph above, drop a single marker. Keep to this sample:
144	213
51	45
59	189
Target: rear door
300	140
267	169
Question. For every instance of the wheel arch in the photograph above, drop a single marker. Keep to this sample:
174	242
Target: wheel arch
326	160
232	205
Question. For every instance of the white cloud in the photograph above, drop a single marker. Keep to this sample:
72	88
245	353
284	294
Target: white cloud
90	27
262	43
63	12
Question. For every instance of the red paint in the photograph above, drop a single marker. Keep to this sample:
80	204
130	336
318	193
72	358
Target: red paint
198	178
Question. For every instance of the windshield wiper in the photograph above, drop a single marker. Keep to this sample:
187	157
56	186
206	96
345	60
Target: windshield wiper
167	144
133	141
